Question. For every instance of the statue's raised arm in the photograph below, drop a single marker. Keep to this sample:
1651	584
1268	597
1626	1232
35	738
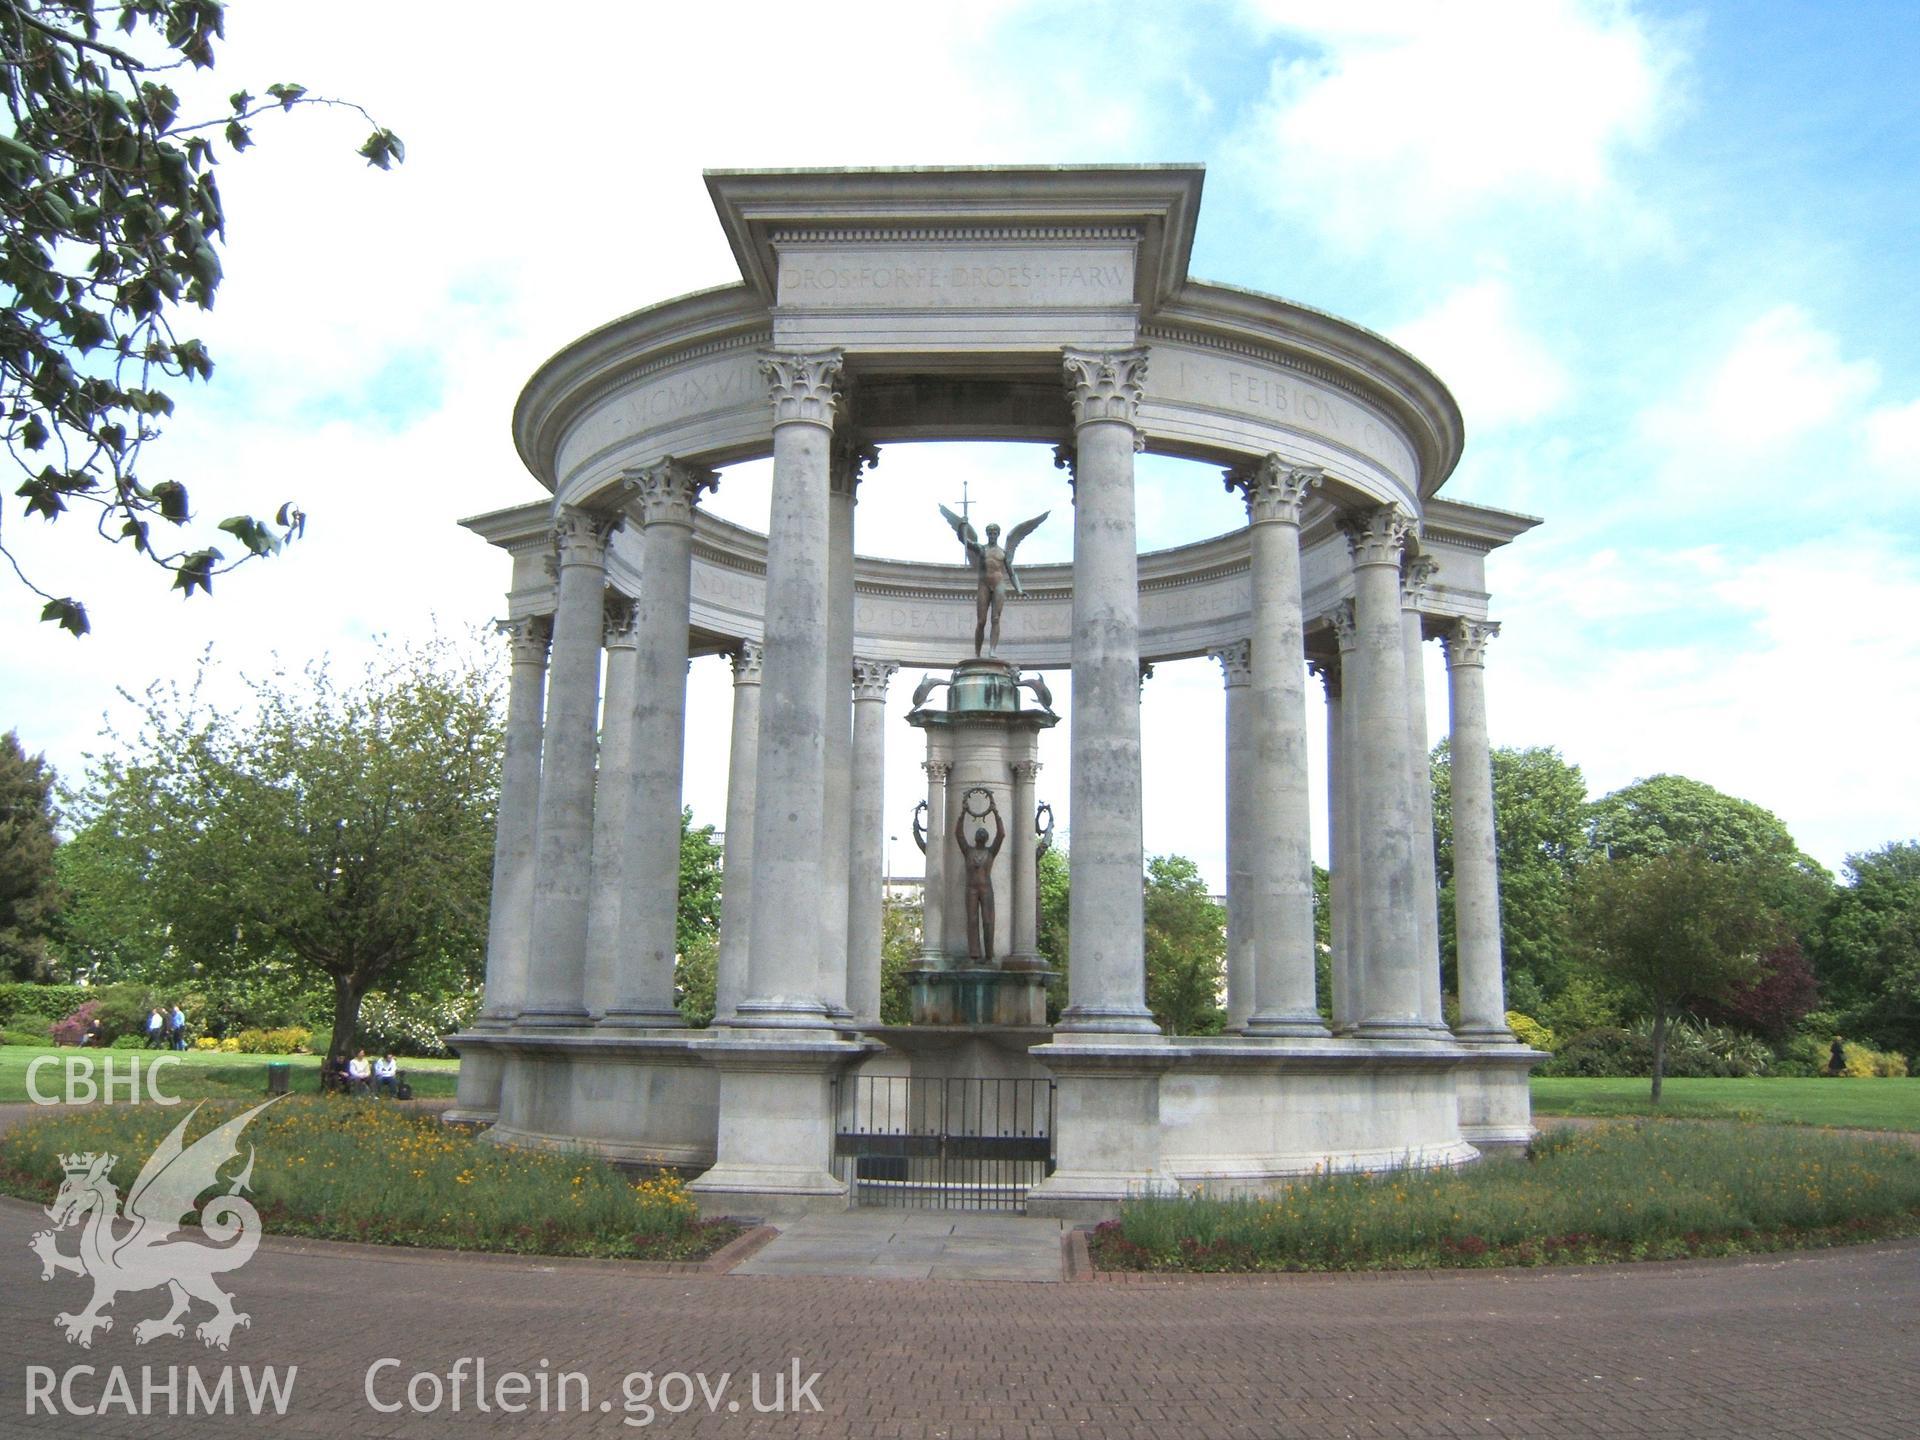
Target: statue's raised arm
964	532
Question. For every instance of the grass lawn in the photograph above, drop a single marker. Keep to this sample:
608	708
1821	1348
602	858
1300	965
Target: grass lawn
1857	1104
346	1169
1624	1190
201	1074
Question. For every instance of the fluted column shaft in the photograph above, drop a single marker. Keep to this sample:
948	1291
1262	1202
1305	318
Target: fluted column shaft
1414	578
1339	867
1390	996
866	883
612	799
736	890
1026	875
665	494
846	459
510	913
563	855
1476	877
1281	819
1237	672
933	904
1106	973
783	961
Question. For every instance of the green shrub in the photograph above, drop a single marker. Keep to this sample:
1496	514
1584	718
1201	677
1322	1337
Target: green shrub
1583	1003
285	1040
1866	1063
1606	1050
413	1024
1529	1031
27	1022
21	1037
22	998
320	1039
128	1042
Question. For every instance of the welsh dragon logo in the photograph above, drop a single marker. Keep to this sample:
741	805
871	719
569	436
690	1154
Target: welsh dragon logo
136	1249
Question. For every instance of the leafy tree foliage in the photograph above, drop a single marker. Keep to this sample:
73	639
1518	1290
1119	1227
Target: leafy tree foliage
112	223
698	920
1671	926
1539	822
29	887
1186	944
1782	993
1868	955
342	830
1669	812
899	953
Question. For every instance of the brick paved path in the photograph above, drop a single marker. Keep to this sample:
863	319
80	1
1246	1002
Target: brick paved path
1806	1345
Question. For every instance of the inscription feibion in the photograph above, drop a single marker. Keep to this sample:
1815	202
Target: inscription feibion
1248	387
893	277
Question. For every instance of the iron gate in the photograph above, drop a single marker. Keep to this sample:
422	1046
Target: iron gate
942	1143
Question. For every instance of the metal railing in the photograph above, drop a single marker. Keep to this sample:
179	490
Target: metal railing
942	1143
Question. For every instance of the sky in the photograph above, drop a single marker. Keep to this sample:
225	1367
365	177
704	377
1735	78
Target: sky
1665	256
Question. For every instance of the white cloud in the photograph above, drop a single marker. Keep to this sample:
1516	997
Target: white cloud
1404	118
1893	440
1501	373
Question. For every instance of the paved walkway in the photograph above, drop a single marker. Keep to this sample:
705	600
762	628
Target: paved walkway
913	1245
1816	1344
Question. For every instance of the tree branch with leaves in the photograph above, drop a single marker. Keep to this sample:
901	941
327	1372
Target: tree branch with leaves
110	223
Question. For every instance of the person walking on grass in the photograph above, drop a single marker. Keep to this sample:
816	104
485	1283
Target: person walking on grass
156	1028
177	1028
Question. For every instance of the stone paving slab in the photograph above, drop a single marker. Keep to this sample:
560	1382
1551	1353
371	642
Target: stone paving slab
913	1245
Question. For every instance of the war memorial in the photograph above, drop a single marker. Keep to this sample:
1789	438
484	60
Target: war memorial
1041	305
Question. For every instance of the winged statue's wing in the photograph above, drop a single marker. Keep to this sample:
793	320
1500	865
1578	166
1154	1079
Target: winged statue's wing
963	529
1021	531
170	1184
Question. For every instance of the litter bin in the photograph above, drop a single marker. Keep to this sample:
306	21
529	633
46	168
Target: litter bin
277	1072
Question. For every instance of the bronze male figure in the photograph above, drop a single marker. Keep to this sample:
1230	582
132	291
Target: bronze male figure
993	570
978	858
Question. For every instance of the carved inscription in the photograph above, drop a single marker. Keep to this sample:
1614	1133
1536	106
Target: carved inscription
1247	387
952	278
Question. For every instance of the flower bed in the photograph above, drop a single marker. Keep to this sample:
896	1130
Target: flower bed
341	1169
1651	1191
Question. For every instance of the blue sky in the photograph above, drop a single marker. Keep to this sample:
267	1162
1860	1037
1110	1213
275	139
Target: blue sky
1666	257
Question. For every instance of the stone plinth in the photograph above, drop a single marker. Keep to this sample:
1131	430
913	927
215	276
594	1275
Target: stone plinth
979	995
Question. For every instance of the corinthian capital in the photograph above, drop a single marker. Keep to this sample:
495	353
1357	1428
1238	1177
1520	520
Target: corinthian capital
1236	662
1416	576
1346	626
618	617
580	536
528	638
937	770
667	492
1274	489
1465	641
746	662
1377	536
1329	673
848	458
802	384
870	678
1105	384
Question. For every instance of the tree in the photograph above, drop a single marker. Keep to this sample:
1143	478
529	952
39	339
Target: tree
112	222
344	830
1868	951
698	919
1539	815
899	953
1186	945
1671	926
1668	812
1782	993
29	888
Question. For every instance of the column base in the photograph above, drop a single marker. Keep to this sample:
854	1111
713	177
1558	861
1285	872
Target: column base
1307	1026
1106	1020
642	1020
782	1015
553	1018
1397	1029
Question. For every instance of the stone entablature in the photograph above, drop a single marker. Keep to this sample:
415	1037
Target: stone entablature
1194	598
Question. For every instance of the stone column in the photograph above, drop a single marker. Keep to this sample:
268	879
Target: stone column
612	800
666	494
1236	668
1106	971
509	916
736	889
563	853
1339	873
866	884
783	958
1025	952
1281	821
1389	970
1347	977
1415	575
933	907
846	459
1476	877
